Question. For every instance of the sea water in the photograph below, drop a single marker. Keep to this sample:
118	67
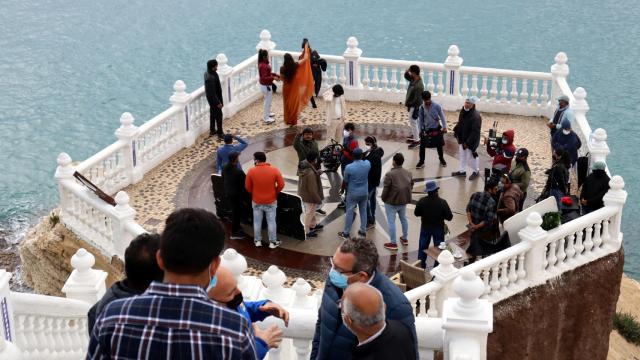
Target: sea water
68	69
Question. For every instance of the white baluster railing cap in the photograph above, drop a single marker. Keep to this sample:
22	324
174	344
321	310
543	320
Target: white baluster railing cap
301	287
533	231
180	96
126	129
352	48
273	277
616	196
445	271
560	67
453	58
64	169
469	287
580	103
599	135
223	64
265	41
233	261
83	261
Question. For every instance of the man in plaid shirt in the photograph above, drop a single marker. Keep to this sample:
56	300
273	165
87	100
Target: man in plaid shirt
481	216
175	319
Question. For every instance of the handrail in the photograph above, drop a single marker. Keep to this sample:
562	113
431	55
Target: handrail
158	119
100	156
249	62
497	258
522	74
402	63
45	305
581	223
422	291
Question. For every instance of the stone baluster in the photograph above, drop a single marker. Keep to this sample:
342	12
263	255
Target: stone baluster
433	305
484	91
597	238
85	283
365	79
598	148
302	348
375	81
535	97
495	280
440	88
430	83
521	271
180	99
444	274
514	91
122	215
551	257
536	237
588	243
570	250
545	94
579	246
486	276
513	274
384	83
351	55
561	253
303	291
452	64
466	319
343	76
394	80
559	70
493	94
504	274
474	85
236	263
465	85
615	197
503	90
524	92
265	41
227	84
273	279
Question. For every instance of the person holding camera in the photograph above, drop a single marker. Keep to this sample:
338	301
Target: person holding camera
266	84
467	132
304	143
432	125
502	151
412	102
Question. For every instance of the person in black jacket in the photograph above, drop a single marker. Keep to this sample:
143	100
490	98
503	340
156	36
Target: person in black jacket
140	267
467	132
558	176
594	188
318	66
363	311
433	211
233	179
213	91
374	155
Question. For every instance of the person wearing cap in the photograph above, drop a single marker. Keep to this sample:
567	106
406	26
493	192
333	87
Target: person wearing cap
594	188
509	201
482	224
433	211
567	140
222	154
432	125
563	112
467	132
355	183
304	143
521	173
396	194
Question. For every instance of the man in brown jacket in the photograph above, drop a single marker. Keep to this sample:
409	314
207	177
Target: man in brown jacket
310	190
396	194
509	203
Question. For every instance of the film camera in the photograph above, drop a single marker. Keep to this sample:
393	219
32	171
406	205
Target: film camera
330	156
494	139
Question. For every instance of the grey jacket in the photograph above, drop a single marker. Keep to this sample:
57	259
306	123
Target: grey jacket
398	183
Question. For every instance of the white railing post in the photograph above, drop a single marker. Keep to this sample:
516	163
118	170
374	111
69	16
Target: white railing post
7	330
128	133
616	197
85	283
180	99
265	41
559	70
598	147
351	55
534	258
64	172
466	320
273	280
123	213
444	273
452	65
303	299
226	82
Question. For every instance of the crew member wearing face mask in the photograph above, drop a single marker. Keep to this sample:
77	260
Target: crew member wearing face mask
568	141
563	112
503	153
373	154
225	291
354	261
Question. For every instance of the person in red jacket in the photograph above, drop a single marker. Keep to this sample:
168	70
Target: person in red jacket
503	153
266	84
264	182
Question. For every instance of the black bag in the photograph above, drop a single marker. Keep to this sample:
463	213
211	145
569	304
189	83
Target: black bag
583	169
433	138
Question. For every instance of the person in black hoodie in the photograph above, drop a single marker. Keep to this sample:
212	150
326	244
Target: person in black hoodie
594	188
467	132
140	267
558	176
213	91
233	179
318	65
374	155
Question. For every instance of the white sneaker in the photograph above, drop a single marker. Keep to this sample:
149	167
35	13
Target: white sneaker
272	115
273	245
257	243
269	121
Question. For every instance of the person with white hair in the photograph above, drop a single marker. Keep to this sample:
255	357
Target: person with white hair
563	111
363	313
467	132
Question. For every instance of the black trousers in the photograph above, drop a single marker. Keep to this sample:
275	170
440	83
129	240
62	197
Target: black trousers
423	145
237	211
215	119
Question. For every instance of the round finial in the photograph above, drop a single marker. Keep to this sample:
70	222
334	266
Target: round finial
600	134
233	261
222	59
534	220
616	183
445	258
126	119
179	86
265	35
64	159
352	42
82	260
301	287
122	198
561	58
273	277
453	51
580	94
468	286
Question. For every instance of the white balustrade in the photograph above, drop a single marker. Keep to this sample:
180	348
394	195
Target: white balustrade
85	283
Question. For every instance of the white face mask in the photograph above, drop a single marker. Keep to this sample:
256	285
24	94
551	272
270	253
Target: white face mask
368	148
345	133
566	132
505	141
465	109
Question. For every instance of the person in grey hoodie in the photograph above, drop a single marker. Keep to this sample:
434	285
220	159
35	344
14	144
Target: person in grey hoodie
140	267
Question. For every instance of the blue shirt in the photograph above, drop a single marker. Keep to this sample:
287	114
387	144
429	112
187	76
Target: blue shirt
356	175
170	321
222	155
251	311
431	118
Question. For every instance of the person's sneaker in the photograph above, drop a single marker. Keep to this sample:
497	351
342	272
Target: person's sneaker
274	244
390	246
321	212
361	233
443	163
342	205
474	176
420	165
311	233
459	173
272	115
270	121
343	235
257	243
237	236
414	144
318	227
404	241
371	226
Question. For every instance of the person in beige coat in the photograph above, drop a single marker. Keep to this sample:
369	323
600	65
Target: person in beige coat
336	113
310	190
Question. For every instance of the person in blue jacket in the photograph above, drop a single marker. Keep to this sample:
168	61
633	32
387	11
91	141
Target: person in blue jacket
356	260
568	141
225	291
222	155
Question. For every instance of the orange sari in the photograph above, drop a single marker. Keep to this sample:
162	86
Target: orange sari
297	92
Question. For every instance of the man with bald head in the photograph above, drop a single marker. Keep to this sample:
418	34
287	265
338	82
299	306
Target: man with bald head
363	313
226	292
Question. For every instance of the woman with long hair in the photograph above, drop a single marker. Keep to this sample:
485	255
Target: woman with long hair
297	86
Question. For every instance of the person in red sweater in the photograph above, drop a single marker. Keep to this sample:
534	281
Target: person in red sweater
264	182
266	84
503	153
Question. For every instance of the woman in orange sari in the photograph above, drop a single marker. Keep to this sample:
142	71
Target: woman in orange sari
297	86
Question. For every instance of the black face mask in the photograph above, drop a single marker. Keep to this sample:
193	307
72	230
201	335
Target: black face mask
407	76
235	302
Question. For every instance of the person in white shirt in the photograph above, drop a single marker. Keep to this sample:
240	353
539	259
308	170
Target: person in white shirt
336	113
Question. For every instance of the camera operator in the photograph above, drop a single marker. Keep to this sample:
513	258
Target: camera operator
502	150
304	143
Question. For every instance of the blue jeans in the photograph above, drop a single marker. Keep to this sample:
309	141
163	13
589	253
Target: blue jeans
270	211
391	211
371	209
268	95
425	239
352	202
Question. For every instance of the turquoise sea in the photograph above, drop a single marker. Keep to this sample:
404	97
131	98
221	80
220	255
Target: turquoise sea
68	69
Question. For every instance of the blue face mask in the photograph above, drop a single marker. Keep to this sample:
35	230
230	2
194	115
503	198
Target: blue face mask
337	279
212	283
